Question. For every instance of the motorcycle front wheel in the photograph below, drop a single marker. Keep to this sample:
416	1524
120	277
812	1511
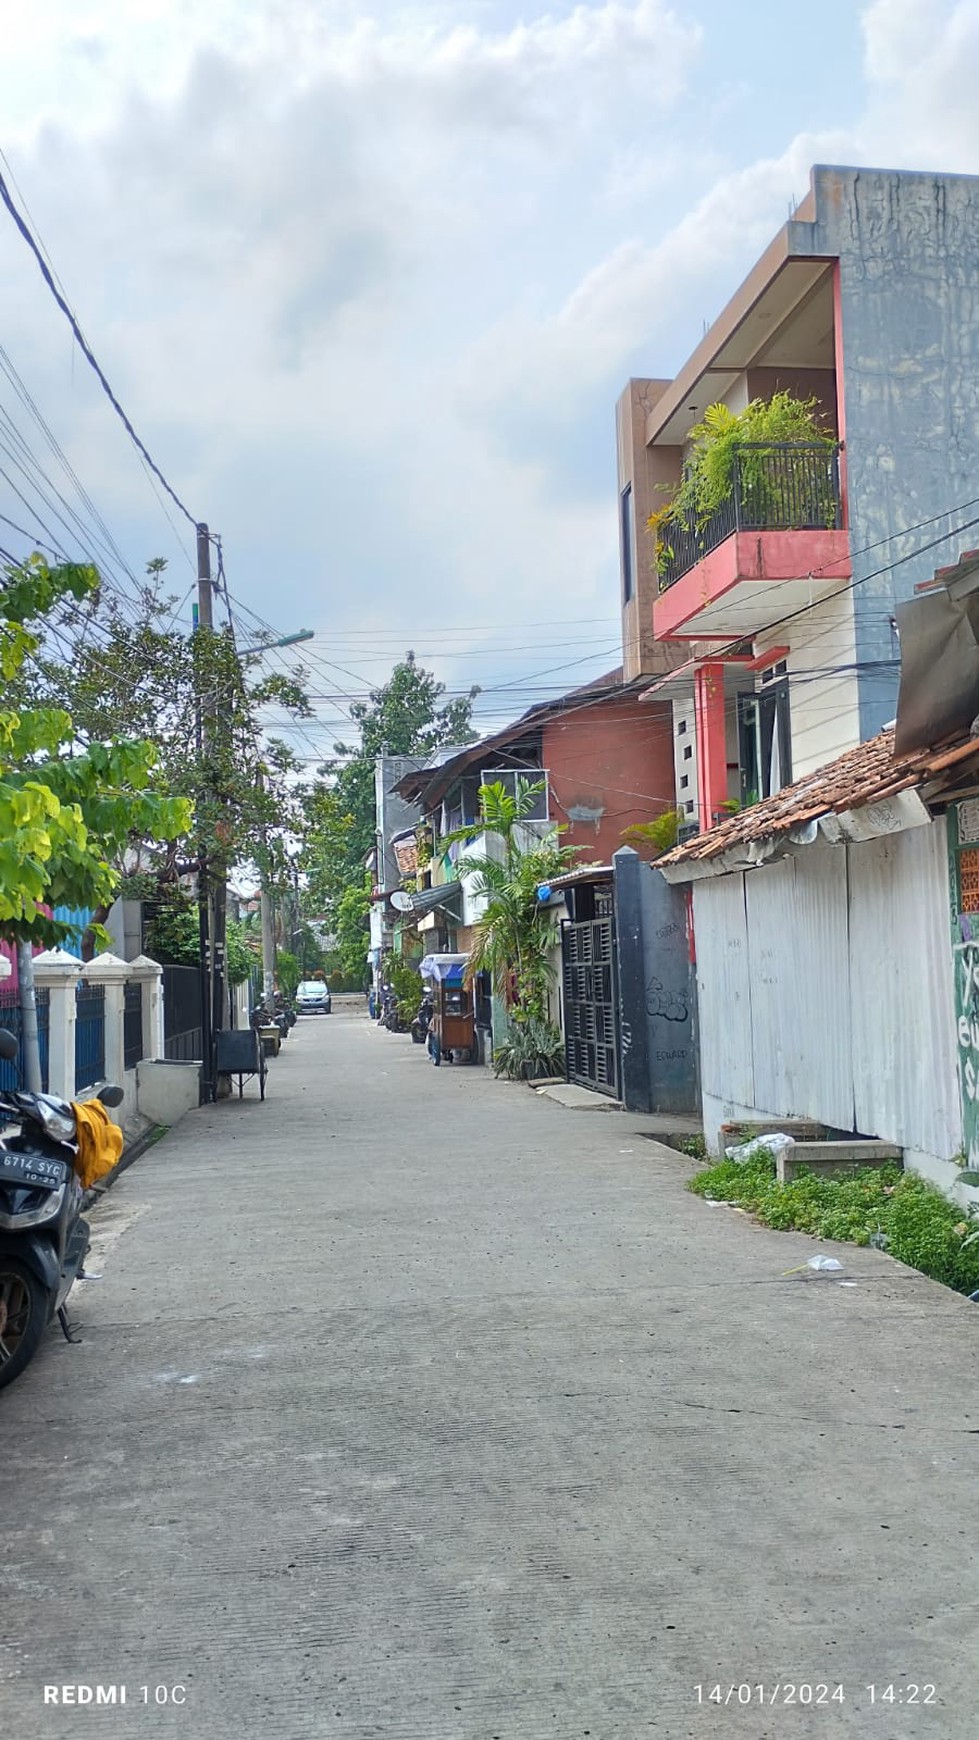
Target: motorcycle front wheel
23	1317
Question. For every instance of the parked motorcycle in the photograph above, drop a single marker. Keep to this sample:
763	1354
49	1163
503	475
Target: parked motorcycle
390	1013
423	1019
43	1236
261	1016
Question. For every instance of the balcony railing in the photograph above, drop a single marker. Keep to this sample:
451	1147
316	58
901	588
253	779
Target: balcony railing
789	486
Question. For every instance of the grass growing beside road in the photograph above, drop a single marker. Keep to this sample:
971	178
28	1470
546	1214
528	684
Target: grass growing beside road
897	1211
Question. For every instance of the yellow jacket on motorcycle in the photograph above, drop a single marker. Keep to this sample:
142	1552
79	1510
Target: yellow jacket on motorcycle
100	1141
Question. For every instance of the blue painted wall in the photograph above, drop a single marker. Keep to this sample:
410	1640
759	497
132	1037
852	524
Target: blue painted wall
908	247
79	916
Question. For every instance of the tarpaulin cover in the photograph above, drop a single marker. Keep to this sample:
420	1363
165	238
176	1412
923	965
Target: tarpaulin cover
444	969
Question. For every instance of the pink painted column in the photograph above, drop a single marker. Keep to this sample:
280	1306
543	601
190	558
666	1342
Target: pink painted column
708	696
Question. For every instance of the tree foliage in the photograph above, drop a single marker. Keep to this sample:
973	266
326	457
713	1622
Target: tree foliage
68	806
405	716
173	937
140	677
351	928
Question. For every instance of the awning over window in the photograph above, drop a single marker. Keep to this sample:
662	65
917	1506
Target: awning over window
429	898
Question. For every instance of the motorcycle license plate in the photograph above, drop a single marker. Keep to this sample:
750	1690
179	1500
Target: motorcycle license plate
31	1169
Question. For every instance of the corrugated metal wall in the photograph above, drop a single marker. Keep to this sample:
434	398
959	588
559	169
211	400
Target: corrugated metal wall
825	986
904	1053
724	989
800	985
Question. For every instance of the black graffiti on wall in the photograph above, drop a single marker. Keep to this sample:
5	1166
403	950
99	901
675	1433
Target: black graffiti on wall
668	1005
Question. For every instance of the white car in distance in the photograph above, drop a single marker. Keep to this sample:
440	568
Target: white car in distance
313	998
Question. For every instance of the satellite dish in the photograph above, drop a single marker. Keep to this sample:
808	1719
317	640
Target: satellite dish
401	901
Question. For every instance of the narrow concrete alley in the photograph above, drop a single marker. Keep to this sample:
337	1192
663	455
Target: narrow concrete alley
411	1404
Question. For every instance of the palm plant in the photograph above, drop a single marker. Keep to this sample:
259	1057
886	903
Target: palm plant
517	934
728	449
662	833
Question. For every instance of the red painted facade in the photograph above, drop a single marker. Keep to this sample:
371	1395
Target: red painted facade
709	707
748	556
609	765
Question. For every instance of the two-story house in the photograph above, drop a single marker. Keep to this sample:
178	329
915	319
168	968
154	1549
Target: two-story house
603	760
865	302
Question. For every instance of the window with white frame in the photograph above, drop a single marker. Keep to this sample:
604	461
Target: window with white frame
514	778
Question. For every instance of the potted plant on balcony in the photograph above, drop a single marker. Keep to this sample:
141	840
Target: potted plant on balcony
768	465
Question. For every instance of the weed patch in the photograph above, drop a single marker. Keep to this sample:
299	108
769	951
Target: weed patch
894	1210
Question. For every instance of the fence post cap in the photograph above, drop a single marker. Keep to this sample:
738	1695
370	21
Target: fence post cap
53	965
107	969
145	968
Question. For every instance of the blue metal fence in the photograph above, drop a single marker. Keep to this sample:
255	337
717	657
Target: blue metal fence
89	1035
12	1074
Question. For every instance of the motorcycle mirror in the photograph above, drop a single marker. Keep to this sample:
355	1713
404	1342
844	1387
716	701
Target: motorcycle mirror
112	1096
9	1047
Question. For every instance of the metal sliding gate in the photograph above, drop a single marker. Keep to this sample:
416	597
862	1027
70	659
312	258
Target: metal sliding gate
591	999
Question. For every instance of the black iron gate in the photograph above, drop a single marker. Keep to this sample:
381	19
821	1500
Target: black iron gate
591	1000
182	1026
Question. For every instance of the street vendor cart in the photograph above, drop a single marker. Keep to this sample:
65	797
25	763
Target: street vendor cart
452	1034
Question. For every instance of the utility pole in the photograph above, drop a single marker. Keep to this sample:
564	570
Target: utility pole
204	620
268	925
268	949
30	1039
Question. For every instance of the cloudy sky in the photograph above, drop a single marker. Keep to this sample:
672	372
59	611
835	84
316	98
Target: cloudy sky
369	278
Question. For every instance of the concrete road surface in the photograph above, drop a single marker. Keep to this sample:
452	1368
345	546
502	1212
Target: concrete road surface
414	1405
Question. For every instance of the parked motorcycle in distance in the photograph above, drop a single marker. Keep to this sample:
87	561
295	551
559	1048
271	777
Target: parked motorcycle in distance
43	1236
262	1016
390	1013
423	1019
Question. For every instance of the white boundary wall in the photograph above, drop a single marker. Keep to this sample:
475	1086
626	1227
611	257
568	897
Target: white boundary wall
825	992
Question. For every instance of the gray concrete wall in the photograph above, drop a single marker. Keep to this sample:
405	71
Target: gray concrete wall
908	247
657	990
645	468
125	926
166	1091
393	813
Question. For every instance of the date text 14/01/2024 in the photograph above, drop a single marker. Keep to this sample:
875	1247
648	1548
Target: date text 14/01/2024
788	1692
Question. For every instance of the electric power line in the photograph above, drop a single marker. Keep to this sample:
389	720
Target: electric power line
88	353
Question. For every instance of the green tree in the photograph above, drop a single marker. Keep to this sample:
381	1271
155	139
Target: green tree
326	848
138	676
405	716
67	807
173	937
351	932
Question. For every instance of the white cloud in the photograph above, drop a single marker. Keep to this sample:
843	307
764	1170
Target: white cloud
283	241
922	61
